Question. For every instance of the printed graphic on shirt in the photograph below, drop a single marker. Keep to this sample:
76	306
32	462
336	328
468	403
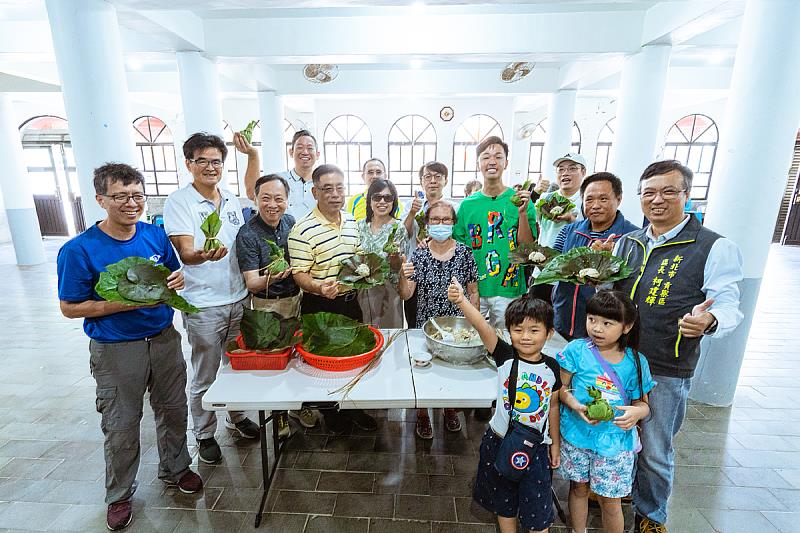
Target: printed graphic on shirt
155	258
658	293
532	398
496	236
607	389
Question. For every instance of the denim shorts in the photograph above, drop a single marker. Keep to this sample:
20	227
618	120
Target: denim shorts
611	477
531	499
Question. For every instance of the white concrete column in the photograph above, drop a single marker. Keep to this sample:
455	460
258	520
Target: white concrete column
273	149
202	106
644	77
754	154
17	195
560	117
90	65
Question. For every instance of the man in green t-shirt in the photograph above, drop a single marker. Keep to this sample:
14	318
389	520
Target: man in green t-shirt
491	225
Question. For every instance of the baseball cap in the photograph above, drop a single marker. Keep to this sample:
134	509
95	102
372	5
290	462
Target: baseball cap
571	156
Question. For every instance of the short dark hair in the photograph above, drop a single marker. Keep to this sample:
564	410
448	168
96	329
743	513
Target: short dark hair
616	183
202	140
303	133
376	187
668	165
433	166
616	305
106	174
325	169
528	306
373	160
437	204
487	142
271	177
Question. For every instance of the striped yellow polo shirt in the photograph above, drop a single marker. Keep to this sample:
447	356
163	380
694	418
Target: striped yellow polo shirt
317	245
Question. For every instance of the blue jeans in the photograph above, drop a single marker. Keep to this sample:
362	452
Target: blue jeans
655	465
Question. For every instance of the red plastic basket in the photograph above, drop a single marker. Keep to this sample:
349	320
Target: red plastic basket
340	364
258	361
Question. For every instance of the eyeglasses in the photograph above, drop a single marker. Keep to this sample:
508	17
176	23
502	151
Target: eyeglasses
203	163
433	177
388	198
571	168
122	199
666	194
330	189
438	220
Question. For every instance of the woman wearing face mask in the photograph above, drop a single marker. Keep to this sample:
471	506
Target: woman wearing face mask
429	272
381	305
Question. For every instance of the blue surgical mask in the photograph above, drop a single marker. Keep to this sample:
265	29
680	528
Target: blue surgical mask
440	232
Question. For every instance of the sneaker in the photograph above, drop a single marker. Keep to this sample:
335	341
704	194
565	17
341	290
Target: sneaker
361	420
483	414
284	429
451	421
306	417
335	421
246	428
189	483
209	451
645	525
423	429
119	515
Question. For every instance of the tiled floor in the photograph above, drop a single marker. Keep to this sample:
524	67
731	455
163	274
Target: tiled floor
738	468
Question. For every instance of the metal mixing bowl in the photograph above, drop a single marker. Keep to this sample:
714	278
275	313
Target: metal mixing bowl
457	354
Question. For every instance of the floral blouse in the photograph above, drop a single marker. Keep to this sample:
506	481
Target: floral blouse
369	242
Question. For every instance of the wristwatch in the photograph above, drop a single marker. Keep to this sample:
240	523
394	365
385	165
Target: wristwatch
712	328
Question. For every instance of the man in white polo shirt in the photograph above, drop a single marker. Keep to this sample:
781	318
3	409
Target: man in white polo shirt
213	283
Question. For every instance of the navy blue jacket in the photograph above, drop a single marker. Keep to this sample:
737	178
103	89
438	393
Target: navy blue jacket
569	300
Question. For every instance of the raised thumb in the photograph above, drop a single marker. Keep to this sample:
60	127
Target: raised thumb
703	307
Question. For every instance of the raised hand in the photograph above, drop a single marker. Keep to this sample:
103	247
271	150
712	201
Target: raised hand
694	324
606	245
455	292
407	269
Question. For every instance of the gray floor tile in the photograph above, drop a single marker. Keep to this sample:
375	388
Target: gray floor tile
382	525
364	505
336	524
738	521
784	522
204	520
282	522
346	482
30	516
436	508
791	476
304	502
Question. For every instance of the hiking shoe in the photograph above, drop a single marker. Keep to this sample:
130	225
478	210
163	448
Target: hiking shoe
284	429
209	451
645	525
306	417
361	420
335	421
189	483
451	421
423	429
483	414
119	515
246	428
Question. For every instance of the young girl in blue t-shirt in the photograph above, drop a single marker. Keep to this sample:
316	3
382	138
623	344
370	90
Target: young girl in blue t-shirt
600	455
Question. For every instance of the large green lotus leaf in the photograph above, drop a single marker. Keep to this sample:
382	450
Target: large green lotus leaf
335	335
521	255
583	265
545	206
267	330
356	275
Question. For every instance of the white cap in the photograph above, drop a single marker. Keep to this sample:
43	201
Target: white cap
571	156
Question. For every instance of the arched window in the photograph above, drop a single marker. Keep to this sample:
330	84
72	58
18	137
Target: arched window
156	151
604	142
412	143
692	140
347	144
538	136
231	161
469	135
288	133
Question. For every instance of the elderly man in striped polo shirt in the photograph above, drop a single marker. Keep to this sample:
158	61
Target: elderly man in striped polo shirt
317	244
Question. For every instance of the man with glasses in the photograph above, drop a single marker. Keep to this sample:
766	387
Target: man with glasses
133	349
214	282
685	284
317	244
373	169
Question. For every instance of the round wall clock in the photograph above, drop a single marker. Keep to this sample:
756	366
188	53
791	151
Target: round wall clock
446	113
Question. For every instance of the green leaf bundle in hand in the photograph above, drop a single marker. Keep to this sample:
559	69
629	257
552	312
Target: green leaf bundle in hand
532	254
422	231
247	132
138	281
210	228
277	258
268	331
583	266
391	247
333	335
598	408
554	206
363	271
515	199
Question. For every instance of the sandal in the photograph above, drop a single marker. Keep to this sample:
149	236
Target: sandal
451	420
424	429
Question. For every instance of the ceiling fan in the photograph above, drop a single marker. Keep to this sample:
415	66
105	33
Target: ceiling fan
516	71
318	73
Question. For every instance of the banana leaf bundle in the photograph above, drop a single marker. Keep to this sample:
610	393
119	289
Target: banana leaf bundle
422	231
247	132
391	247
584	266
363	271
515	199
210	228
277	258
598	408
554	206
335	335
532	254
138	281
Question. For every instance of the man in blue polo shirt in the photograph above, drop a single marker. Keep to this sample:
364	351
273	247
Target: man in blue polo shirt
132	350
